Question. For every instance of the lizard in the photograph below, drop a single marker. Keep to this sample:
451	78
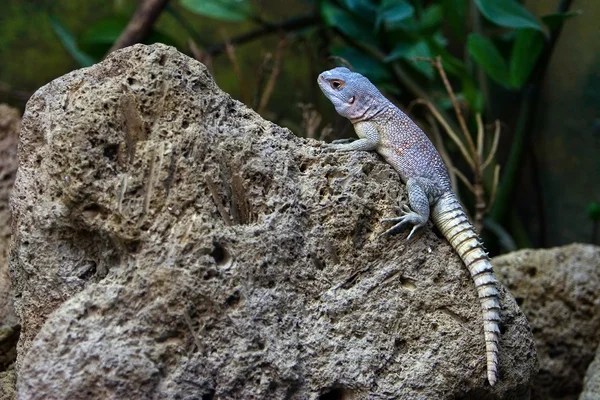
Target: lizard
384	128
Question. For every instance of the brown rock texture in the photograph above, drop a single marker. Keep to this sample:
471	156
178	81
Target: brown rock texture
559	291
10	123
170	243
7	384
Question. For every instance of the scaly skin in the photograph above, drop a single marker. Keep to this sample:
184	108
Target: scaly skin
382	127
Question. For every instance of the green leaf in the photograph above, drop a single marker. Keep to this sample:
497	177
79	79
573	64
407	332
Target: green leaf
68	41
508	13
431	18
398	52
555	20
485	53
364	64
410	51
526	50
224	10
366	8
392	13
421	50
347	23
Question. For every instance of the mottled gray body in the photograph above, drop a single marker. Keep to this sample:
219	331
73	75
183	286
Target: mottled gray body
382	127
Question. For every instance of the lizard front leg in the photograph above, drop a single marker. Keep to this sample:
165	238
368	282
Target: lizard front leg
360	144
369	139
418	212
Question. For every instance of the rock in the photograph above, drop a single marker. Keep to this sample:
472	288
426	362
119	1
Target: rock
170	243
559	291
10	123
591	383
7	384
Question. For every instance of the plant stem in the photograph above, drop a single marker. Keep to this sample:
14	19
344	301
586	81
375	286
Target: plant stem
525	124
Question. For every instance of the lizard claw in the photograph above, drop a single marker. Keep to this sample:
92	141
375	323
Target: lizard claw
408	217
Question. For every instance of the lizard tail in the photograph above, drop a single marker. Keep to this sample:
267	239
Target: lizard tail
451	220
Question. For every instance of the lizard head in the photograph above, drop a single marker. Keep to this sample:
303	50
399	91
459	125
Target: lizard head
352	94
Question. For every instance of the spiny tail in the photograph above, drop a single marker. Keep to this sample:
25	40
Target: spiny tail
450	218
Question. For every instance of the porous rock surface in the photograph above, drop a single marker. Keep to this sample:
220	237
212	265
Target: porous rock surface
559	291
10	123
170	243
591	383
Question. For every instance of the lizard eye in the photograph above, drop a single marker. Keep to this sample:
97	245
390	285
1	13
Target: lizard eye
336	84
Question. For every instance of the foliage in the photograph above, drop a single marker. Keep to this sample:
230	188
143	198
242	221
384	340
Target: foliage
441	52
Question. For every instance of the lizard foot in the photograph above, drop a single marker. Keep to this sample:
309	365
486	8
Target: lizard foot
408	217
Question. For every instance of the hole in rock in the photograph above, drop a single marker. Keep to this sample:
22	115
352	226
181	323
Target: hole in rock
91	210
335	394
111	152
87	271
233	299
519	301
220	254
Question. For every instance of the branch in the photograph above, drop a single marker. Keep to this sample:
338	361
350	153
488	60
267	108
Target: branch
437	63
140	24
289	25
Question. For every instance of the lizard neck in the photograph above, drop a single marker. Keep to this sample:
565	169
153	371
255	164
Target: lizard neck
372	109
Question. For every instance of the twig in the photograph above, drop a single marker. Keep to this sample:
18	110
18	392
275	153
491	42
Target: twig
311	119
186	26
140	24
464	180
474	154
230	51
494	148
494	188
292	24
479	137
457	110
273	77
200	55
437	63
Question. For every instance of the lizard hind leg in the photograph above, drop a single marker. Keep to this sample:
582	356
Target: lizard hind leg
418	212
